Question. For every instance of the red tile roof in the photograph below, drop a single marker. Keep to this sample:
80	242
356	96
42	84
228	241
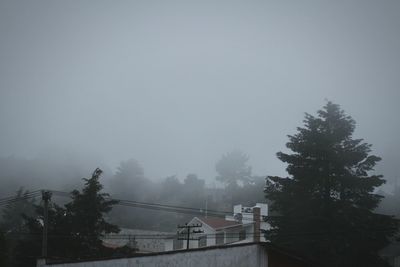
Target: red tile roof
217	223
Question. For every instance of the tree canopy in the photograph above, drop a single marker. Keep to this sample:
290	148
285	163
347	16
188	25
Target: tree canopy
233	169
75	230
326	205
86	214
129	181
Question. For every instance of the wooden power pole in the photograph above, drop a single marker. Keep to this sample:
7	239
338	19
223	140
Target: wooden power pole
46	196
190	231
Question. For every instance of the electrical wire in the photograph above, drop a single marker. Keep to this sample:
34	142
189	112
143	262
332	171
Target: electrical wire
11	200
155	206
174	209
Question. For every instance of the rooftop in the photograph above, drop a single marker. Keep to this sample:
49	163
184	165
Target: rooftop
217	223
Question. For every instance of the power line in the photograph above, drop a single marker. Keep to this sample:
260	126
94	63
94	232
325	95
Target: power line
155	206
127	203
122	202
170	206
22	195
173	210
11	200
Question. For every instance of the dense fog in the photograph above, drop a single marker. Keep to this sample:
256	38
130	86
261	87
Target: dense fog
187	108
176	85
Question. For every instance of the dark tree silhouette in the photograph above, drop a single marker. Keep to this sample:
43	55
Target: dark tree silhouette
13	223
4	250
326	205
86	213
74	231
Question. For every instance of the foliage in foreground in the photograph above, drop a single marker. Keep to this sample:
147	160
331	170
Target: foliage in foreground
75	230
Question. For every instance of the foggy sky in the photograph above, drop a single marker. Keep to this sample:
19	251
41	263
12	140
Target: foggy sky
175	84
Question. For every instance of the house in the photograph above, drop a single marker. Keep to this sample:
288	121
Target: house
213	231
243	226
260	254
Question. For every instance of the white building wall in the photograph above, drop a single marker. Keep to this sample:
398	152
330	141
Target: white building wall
169	244
211	239
232	234
239	256
248	218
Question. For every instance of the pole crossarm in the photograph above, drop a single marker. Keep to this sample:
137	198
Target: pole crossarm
190	230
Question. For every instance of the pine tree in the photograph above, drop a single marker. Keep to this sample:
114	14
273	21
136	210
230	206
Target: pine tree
86	217
326	205
74	231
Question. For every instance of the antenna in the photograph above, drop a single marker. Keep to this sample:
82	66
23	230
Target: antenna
206	204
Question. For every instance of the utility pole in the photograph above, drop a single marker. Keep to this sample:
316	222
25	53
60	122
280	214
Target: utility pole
46	196
132	243
257	222
189	231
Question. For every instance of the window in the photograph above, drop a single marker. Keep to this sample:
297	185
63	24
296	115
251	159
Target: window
219	238
242	234
202	241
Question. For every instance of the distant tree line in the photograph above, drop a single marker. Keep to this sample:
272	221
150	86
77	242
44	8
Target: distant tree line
129	182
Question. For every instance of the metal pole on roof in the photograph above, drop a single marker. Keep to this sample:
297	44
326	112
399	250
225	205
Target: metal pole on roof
206	204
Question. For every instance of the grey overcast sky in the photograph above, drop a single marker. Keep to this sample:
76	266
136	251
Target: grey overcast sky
175	84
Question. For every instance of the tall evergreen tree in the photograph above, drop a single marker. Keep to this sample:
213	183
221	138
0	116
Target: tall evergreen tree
326	205
86	214
129	182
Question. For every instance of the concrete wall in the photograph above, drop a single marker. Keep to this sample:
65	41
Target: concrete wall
238	256
137	239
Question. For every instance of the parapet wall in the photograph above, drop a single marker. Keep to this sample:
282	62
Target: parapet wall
239	256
